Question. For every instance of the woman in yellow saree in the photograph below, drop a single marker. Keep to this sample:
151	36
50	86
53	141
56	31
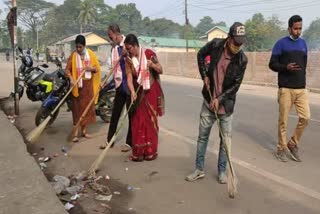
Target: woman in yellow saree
83	59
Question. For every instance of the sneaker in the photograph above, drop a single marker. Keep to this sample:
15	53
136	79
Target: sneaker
197	174
222	178
294	152
281	155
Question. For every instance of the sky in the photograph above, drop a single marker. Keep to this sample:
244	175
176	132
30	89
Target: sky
221	10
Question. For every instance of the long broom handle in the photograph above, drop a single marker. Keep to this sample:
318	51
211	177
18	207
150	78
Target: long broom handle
67	94
95	164
223	139
94	98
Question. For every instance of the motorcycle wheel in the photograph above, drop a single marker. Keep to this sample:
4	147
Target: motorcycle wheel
105	107
43	113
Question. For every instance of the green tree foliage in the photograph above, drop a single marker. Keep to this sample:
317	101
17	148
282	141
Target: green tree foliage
262	33
161	28
205	24
87	13
312	35
32	14
4	35
61	21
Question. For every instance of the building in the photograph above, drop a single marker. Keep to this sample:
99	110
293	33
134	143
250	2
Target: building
216	32
93	41
161	44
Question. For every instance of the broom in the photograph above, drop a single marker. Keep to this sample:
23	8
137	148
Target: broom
36	132
76	126
232	180
93	168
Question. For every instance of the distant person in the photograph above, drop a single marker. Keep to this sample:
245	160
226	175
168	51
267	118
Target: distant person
289	59
8	55
37	55
47	54
63	56
221	82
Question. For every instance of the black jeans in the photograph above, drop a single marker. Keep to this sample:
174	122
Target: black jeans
120	99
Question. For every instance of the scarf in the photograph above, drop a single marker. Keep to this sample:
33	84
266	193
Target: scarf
142	70
92	60
117	73
79	66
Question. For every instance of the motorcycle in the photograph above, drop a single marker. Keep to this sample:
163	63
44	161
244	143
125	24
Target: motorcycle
103	107
37	82
61	85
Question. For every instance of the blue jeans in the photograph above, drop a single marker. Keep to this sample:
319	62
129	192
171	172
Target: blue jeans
207	119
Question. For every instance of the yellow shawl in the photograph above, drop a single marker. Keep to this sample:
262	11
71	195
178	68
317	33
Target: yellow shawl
96	77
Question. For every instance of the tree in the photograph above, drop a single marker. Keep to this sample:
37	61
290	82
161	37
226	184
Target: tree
312	35
32	14
61	21
262	33
4	35
127	16
205	24
161	28
87	13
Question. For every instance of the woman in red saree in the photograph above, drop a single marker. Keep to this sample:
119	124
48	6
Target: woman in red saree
143	71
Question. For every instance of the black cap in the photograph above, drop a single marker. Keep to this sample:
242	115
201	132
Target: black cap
238	33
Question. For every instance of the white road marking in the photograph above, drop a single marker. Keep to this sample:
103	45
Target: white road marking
295	116
276	178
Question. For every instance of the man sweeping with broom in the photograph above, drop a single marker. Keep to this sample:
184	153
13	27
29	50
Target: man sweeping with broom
222	79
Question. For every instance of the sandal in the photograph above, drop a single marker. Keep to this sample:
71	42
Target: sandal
86	135
75	139
102	147
125	148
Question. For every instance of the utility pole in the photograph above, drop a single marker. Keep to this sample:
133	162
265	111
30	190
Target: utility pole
186	25
16	80
37	38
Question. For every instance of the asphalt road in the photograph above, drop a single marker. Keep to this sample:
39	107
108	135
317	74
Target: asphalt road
265	184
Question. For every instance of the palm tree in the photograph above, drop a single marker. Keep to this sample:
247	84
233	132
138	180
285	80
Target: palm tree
87	13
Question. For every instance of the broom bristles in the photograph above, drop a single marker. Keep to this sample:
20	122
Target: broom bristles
35	133
102	155
232	183
93	168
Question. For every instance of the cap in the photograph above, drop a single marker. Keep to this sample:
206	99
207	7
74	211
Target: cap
238	33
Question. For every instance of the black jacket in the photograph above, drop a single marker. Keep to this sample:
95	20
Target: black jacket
234	74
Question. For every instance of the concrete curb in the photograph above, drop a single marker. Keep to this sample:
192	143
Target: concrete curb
24	188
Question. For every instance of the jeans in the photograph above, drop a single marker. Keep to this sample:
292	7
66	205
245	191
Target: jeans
207	119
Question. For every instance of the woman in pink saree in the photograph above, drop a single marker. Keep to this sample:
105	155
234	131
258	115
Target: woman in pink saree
143	71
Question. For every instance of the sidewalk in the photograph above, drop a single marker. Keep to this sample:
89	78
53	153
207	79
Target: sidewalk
24	188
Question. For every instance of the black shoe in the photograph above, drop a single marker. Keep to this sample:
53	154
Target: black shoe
294	152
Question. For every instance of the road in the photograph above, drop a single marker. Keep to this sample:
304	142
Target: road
265	184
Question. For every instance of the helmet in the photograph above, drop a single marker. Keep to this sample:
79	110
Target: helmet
27	60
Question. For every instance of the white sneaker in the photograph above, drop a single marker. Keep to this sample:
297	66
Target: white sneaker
222	178
197	174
